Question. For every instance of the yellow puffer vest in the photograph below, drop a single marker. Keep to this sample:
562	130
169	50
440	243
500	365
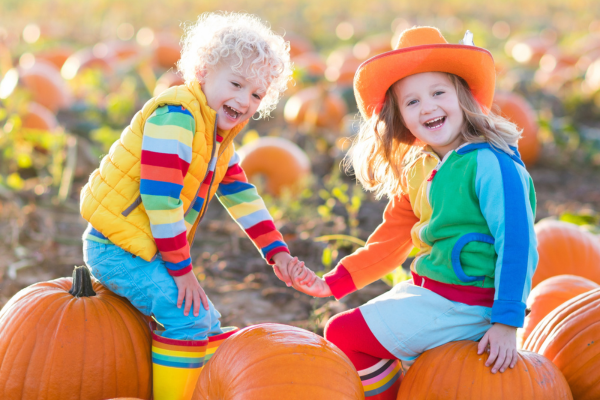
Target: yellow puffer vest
111	199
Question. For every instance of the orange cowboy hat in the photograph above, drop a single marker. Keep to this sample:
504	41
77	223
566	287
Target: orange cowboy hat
424	49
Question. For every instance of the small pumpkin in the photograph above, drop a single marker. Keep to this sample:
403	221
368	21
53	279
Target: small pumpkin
73	339
455	371
39	117
315	106
167	50
275	361
43	81
342	65
298	44
565	248
548	295
56	56
311	63
517	110
282	162
101	58
570	337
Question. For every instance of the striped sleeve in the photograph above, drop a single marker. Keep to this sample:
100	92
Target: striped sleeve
166	156
243	203
507	201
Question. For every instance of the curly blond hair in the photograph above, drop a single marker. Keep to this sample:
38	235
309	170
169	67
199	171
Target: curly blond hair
245	42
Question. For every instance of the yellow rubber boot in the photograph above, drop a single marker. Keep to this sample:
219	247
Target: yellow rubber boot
215	341
176	366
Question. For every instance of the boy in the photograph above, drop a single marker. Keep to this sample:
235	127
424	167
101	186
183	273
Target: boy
147	198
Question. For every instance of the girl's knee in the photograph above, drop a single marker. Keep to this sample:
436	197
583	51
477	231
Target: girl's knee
340	325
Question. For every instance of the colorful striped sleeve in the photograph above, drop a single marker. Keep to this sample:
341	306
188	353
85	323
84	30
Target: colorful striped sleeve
243	203
166	156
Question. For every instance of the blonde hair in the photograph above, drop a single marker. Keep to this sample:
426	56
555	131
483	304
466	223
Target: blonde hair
384	145
243	40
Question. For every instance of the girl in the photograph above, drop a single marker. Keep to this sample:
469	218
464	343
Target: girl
458	191
147	198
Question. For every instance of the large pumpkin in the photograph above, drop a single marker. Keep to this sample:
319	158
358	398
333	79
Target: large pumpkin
516	109
274	361
282	163
315	106
455	371
72	341
565	248
550	294
39	117
570	337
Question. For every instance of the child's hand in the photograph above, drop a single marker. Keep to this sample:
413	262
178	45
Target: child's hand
306	281
502	340
283	261
190	290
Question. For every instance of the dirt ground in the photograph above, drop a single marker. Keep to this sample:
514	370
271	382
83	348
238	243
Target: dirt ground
40	241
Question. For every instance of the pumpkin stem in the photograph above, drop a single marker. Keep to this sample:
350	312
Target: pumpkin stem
82	283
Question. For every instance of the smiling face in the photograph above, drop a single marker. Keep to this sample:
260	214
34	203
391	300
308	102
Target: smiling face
429	106
234	98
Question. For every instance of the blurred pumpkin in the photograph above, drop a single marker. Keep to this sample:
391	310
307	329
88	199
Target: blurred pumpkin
123	50
298	44
455	371
56	56
315	106
43	81
167	50
73	339
570	337
274	361
372	46
99	57
341	66
528	50
548	295
310	62
565	248
517	110
167	80
39	117
282	162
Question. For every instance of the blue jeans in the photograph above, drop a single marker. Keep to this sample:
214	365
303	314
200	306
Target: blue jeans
150	288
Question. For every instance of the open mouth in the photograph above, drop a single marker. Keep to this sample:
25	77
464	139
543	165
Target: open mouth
435	123
231	112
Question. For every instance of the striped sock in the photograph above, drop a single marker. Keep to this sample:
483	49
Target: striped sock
382	380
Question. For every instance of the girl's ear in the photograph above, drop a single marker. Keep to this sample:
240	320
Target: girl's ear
201	75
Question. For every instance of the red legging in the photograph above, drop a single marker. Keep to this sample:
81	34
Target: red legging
377	367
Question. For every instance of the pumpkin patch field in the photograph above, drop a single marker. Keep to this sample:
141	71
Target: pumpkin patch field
73	74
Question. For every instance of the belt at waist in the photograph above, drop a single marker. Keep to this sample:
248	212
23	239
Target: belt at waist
471	295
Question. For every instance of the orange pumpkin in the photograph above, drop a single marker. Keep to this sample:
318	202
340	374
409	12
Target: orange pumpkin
56	56
298	44
73	339
274	361
167	80
516	109
570	337
372	46
341	66
99	58
39	117
167	50
43	81
310	62
282	163
550	294
455	371
315	106
565	248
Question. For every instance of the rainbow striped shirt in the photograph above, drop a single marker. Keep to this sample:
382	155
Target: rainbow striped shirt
166	156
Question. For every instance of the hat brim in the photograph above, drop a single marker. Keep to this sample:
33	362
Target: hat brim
375	76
